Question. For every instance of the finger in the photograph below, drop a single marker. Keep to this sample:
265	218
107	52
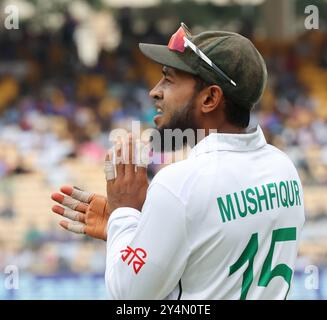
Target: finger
109	167
69	202
81	195
68	190
74	215
143	158
141	171
119	159
75	227
77	193
58	209
68	213
130	166
74	204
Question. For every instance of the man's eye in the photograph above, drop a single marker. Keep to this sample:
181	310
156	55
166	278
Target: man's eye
167	79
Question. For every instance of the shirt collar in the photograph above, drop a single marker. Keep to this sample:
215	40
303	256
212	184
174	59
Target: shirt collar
230	142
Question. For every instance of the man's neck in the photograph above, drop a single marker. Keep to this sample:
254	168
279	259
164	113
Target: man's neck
225	128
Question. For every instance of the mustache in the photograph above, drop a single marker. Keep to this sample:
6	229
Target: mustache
158	102
157	105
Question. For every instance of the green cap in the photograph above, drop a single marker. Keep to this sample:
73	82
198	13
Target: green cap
234	54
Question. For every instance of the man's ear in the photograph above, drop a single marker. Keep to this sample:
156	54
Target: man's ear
211	98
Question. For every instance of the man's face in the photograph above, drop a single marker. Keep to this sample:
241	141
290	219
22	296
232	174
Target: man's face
174	97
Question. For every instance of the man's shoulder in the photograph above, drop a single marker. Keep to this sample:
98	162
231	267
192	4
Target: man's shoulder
281	160
175	171
177	176
279	154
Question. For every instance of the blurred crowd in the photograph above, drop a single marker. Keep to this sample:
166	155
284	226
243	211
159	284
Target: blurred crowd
51	253
293	111
53	108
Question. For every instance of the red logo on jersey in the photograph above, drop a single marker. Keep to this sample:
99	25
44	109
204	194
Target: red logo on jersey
135	255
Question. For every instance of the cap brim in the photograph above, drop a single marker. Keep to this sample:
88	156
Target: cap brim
162	55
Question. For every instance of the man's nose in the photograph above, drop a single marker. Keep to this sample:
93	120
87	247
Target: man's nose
156	93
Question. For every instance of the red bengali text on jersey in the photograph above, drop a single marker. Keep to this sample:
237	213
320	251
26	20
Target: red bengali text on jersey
135	257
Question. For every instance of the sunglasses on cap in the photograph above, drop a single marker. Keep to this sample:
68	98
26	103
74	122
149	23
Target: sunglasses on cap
179	41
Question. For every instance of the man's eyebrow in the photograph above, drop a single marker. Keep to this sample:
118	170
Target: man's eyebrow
167	71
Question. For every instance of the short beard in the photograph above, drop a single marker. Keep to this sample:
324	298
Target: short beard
183	119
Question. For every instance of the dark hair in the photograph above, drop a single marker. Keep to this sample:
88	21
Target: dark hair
235	114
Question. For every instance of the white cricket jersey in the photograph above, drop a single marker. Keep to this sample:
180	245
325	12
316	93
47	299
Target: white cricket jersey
223	224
